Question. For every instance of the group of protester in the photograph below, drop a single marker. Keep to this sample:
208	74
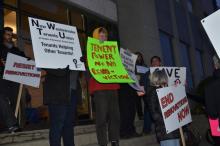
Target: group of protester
115	104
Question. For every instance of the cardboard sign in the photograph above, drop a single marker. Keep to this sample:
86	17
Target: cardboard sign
129	61
19	69
176	75
174	106
55	45
214	125
105	62
211	25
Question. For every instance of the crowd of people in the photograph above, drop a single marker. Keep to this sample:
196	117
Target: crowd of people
116	105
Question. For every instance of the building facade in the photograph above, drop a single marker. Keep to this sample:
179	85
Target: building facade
170	29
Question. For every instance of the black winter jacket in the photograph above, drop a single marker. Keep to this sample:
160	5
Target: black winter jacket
7	88
212	96
155	110
57	87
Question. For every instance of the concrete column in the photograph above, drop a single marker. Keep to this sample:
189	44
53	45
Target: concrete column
138	29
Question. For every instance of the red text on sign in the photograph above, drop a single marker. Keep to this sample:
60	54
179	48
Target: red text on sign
183	113
24	66
166	100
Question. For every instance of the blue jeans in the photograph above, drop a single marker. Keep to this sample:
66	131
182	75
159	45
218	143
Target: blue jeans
62	119
147	120
170	142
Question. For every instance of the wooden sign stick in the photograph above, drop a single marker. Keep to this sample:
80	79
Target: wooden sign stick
18	100
182	136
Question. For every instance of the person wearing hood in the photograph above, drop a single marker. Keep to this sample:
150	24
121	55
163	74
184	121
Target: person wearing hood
106	104
212	95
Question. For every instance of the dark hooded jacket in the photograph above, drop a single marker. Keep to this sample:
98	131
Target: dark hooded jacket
212	96
155	110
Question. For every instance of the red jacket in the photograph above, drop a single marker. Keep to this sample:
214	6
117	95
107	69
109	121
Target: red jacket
95	86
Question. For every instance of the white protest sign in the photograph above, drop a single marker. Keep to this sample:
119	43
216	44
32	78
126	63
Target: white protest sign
19	69
176	75
174	106
211	25
129	60
55	45
142	69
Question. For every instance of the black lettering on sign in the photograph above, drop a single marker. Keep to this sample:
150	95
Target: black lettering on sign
51	25
169	73
62	36
177	73
40	29
75	62
35	22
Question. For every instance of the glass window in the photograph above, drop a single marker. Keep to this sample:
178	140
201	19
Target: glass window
186	62
189	5
82	40
25	39
48	9
77	20
199	63
167	52
10	20
217	3
11	2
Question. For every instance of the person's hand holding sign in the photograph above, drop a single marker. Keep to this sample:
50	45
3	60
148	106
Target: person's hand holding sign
140	93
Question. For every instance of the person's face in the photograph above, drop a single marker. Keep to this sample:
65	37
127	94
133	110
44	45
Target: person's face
139	59
155	62
102	36
7	36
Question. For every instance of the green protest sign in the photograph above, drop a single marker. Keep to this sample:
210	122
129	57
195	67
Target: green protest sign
105	62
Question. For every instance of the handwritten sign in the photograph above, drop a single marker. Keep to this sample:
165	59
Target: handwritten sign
19	69
129	61
105	63
174	106
55	45
176	75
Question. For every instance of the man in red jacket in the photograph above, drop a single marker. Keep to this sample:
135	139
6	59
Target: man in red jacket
106	104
